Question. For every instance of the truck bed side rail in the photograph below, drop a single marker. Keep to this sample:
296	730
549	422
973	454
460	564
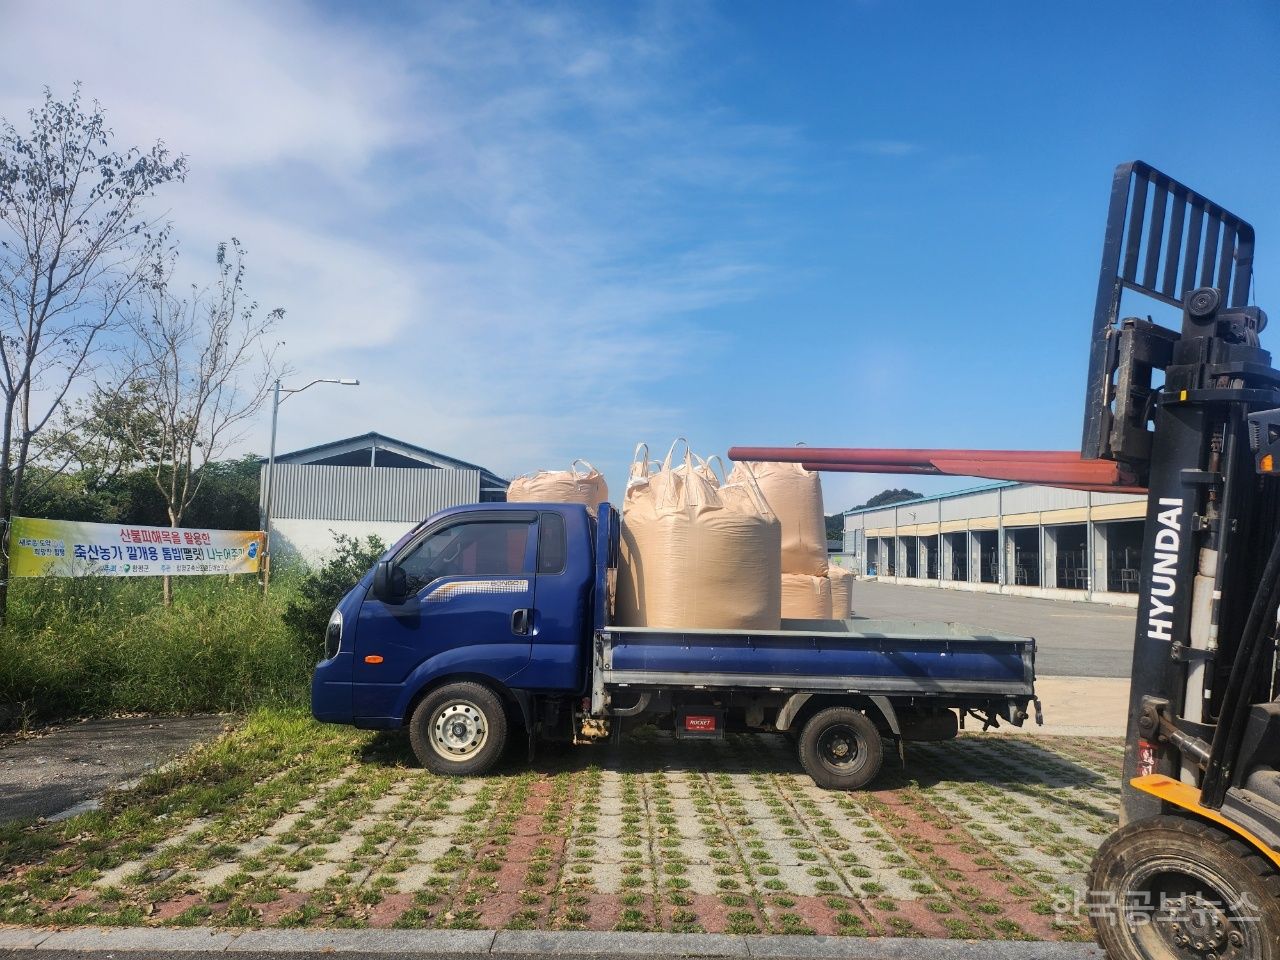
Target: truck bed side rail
894	657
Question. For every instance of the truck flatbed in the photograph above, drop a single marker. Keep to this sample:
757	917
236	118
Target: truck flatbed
921	665
915	657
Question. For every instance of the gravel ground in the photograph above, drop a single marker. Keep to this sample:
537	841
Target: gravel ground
985	836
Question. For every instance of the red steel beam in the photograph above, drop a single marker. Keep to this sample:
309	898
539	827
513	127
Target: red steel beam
934	472
895	456
1058	468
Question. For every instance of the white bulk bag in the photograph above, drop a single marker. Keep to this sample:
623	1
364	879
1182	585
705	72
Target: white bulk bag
642	468
841	592
561	486
695	555
704	469
805	597
794	494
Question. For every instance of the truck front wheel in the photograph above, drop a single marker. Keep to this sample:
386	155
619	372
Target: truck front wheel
840	749
459	729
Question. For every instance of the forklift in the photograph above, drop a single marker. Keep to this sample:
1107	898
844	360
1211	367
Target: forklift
1189	411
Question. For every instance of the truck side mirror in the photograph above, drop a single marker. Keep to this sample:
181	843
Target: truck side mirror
389	582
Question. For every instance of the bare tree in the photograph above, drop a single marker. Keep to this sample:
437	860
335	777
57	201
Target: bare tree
197	372
75	244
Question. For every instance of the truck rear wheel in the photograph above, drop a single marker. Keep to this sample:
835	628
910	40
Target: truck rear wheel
840	749
459	729
1169	887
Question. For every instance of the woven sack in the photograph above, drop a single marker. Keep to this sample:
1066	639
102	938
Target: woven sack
805	597
841	592
794	495
694	554
574	485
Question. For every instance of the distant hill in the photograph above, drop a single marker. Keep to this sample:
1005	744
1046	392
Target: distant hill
835	522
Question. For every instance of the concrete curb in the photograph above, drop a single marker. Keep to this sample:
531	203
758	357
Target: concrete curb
516	943
519	943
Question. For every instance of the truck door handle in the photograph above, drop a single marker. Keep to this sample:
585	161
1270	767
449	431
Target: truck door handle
520	621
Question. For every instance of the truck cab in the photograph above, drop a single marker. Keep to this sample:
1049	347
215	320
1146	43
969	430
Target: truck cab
499	594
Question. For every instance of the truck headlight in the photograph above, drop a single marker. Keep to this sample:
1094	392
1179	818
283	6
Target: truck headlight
333	635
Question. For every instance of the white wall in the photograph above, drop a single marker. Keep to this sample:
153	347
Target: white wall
311	541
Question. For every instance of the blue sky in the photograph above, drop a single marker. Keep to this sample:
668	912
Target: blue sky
542	231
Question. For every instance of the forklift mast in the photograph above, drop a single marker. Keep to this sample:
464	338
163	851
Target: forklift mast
1187	410
1190	413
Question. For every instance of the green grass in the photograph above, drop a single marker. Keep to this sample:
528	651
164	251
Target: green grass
143	858
97	646
240	784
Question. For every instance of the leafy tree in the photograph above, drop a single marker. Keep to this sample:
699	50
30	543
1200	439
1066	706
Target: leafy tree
320	590
835	522
136	500
75	245
84	456
228	495
66	495
103	435
835	526
887	497
227	500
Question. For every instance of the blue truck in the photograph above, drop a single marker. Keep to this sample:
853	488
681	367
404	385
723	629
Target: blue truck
490	619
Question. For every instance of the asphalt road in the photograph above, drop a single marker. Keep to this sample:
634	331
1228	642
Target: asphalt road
1072	639
62	770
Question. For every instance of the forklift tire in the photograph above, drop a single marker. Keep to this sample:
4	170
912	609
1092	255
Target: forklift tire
840	749
459	729
1171	886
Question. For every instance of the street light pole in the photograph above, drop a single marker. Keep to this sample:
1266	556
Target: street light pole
266	499
276	400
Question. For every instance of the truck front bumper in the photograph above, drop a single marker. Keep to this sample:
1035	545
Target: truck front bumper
331	694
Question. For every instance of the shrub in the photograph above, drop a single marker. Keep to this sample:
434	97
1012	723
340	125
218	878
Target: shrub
317	592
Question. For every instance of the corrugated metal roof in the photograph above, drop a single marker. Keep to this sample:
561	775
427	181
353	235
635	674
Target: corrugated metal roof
373	438
314	492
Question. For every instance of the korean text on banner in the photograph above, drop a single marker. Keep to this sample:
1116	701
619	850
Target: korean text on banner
66	548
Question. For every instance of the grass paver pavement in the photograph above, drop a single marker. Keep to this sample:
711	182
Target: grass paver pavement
287	823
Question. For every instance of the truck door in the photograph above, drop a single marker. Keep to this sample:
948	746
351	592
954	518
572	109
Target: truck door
468	608
561	610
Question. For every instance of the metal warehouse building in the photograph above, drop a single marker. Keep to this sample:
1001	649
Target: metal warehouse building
370	484
1013	538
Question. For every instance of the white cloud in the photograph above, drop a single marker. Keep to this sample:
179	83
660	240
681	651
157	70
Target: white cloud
474	212
234	85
